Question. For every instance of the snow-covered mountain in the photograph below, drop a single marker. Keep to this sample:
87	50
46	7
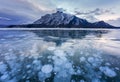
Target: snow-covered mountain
62	19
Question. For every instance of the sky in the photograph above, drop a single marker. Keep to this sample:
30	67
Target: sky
28	11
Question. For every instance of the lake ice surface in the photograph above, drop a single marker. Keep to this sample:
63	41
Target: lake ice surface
27	57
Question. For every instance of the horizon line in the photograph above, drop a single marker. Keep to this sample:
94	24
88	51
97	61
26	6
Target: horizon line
58	29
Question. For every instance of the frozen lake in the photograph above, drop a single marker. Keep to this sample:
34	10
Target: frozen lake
81	55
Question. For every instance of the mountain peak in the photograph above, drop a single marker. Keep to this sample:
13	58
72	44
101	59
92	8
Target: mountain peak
59	12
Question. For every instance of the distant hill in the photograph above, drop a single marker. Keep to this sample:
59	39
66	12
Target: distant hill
2	26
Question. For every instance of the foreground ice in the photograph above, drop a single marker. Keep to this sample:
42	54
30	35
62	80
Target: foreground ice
32	59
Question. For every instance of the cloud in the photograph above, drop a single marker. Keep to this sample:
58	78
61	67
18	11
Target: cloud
4	18
11	17
60	9
23	11
90	18
115	22
97	14
31	10
97	11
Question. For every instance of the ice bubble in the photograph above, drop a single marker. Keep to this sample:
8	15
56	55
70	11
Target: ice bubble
59	53
108	72
29	71
57	69
12	80
47	68
82	81
117	68
108	64
10	50
28	66
91	59
49	57
62	73
41	74
58	61
68	65
3	39
51	48
82	59
70	52
54	57
36	62
71	71
95	80
74	81
5	77
3	67
81	52
27	81
78	72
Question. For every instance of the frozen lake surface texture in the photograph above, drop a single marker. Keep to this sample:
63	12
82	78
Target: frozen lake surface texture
60	55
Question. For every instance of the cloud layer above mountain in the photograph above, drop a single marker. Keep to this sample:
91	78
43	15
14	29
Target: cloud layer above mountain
27	11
